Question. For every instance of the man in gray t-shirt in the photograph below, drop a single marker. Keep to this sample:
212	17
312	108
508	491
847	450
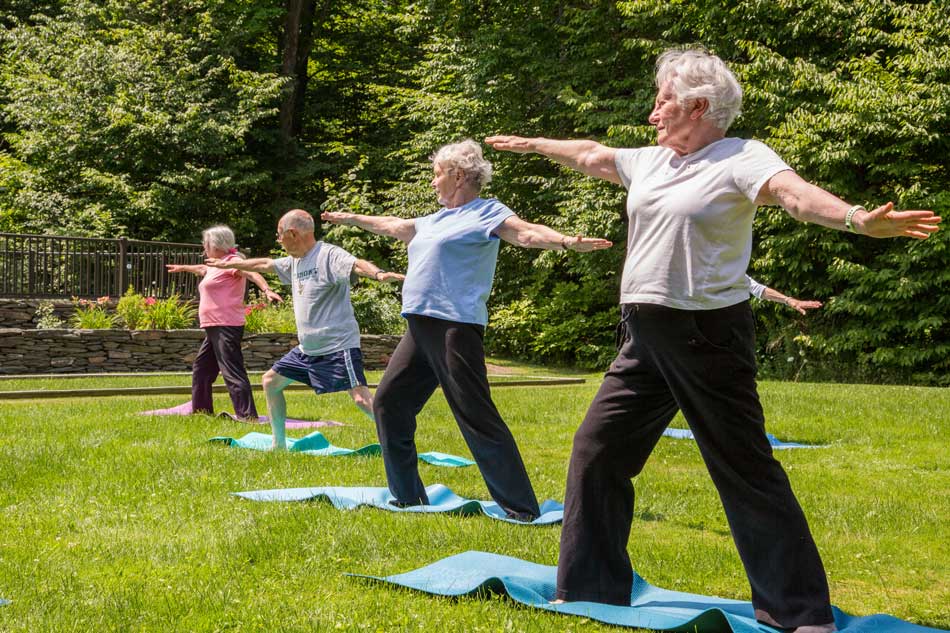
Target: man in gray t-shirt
328	358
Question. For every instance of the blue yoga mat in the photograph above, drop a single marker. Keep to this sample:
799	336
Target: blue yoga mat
3	602
441	499
317	444
686	434
650	607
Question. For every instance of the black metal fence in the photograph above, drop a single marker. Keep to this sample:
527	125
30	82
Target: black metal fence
47	266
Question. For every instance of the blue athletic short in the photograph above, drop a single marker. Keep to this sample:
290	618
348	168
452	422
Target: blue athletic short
338	371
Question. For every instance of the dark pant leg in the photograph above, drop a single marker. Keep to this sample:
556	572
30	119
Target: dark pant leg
456	354
406	385
711	368
226	343
204	371
620	430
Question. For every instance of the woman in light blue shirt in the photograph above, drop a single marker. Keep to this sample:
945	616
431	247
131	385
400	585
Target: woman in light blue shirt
452	257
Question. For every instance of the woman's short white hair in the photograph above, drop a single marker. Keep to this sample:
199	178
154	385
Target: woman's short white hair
219	237
698	74
465	156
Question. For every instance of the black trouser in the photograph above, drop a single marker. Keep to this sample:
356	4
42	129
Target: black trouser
436	352
702	363
221	352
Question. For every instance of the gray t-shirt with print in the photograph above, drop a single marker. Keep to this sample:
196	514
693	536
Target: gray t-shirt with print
320	285
690	235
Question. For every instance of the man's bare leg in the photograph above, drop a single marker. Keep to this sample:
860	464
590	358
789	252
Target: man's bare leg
274	385
363	399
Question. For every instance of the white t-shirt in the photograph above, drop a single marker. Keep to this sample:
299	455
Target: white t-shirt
755	288
690	234
320	284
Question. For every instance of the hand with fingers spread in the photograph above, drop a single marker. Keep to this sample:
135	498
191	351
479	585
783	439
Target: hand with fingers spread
884	221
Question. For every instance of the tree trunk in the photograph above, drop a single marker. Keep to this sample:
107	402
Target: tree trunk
297	44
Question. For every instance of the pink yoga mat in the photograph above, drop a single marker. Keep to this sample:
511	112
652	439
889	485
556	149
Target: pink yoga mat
292	423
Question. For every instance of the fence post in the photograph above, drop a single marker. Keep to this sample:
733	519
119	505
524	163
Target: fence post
123	271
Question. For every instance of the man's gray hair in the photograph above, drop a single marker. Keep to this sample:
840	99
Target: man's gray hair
698	74
465	156
297	219
219	237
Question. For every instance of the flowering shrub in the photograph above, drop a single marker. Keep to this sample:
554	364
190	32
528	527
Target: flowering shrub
92	315
261	317
135	312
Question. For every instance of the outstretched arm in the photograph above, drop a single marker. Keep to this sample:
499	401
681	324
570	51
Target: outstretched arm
195	269
258	265
761	291
809	203
263	286
389	226
365	268
528	235
587	157
770	294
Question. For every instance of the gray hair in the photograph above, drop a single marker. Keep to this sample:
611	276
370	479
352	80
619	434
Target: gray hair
466	156
698	74
219	237
298	219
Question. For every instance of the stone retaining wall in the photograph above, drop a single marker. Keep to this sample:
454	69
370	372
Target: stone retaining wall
21	313
31	351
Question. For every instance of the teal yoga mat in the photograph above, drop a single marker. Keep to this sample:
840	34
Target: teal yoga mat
441	499
317	444
650	607
686	434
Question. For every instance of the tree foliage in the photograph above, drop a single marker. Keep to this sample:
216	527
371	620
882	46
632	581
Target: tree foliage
159	117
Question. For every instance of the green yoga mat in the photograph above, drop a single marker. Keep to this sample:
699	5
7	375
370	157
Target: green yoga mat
318	445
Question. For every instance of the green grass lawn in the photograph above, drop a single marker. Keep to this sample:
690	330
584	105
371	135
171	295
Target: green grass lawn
111	521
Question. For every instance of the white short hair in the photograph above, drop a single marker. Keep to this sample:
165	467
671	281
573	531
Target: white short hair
465	156
698	74
219	237
298	219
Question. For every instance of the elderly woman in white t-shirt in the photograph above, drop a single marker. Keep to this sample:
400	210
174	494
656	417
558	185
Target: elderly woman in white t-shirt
690	344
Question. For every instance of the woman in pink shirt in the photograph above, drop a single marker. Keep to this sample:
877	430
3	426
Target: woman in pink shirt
221	316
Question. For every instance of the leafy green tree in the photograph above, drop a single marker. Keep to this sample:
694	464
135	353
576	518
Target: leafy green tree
127	125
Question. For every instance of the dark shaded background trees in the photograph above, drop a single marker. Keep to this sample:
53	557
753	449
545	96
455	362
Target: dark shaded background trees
159	117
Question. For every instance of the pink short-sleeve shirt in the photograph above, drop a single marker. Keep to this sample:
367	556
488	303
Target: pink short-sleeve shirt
221	297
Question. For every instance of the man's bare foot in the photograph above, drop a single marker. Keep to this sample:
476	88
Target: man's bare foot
558	601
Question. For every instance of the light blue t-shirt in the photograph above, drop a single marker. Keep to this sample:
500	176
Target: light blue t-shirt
320	285
452	262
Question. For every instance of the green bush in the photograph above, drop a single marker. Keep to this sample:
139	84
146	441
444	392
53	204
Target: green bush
170	314
46	318
565	327
132	310
378	309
